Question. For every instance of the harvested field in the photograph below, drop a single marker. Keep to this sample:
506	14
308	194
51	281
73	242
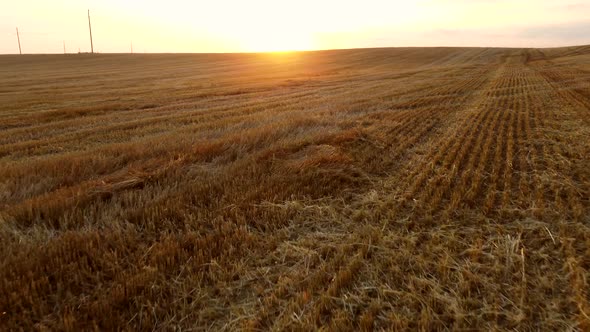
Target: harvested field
410	188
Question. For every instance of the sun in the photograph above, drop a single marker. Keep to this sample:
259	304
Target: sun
277	40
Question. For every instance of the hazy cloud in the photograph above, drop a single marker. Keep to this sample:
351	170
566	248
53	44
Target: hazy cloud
575	6
564	31
548	35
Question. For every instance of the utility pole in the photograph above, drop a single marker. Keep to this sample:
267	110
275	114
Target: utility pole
64	47
90	28
18	38
131	47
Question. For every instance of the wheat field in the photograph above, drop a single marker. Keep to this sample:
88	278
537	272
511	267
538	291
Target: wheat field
369	189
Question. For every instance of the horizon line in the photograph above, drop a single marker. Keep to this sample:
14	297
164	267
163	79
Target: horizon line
300	51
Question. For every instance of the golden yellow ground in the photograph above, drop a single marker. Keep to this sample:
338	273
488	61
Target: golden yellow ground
357	189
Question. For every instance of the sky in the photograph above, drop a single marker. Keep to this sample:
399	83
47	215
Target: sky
172	26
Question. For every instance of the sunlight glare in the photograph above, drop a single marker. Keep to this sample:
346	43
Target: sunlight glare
276	40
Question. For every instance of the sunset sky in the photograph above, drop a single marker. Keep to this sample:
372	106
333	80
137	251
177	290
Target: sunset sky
266	25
